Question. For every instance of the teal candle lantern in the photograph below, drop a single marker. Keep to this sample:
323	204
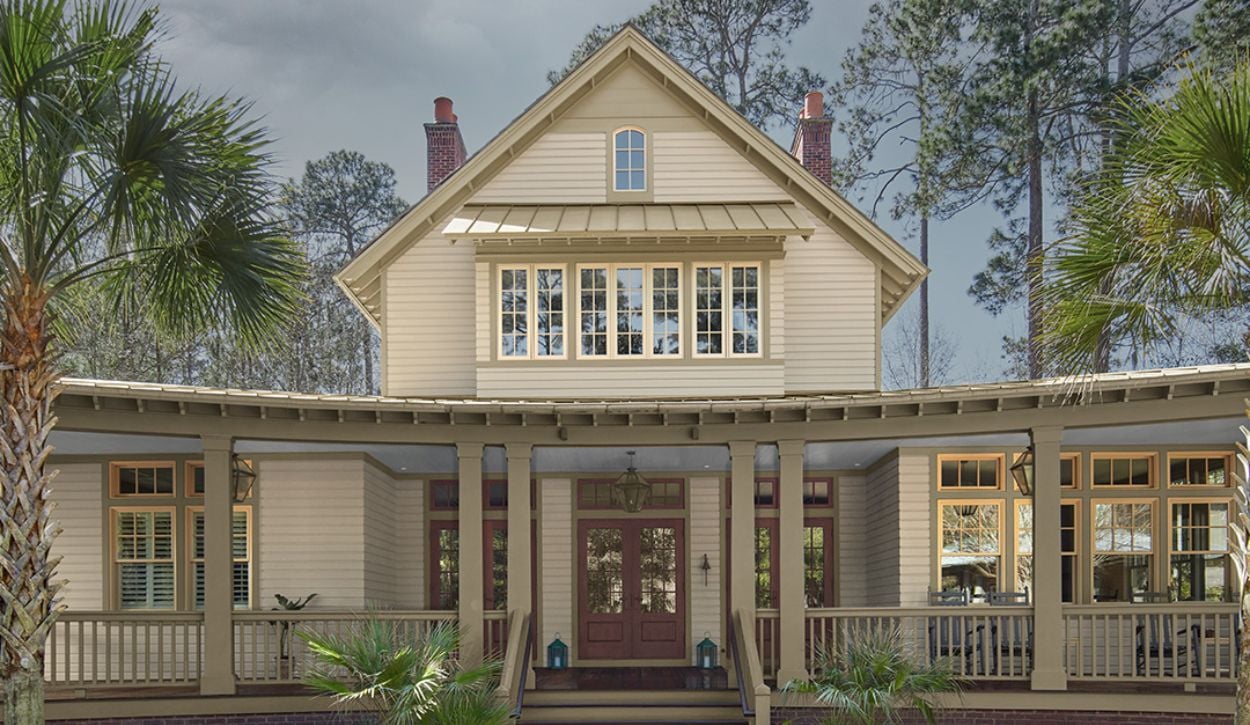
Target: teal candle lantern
557	654
706	652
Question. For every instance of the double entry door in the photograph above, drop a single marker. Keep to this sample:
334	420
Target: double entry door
632	589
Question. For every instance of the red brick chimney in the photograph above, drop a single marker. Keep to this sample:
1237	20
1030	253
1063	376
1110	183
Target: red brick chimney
812	138
444	146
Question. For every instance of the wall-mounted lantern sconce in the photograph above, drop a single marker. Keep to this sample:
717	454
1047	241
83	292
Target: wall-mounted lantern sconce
1022	472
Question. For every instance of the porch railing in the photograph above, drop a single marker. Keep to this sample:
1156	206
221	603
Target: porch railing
268	647
108	649
990	643
1171	642
495	633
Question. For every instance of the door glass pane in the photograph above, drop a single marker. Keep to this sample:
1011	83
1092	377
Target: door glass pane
499	568
657	562
605	584
814	566
448	569
764	567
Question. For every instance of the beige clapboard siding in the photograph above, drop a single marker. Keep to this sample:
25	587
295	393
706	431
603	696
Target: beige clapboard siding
701	166
381	553
312	531
627	97
678	379
705	539
483	309
77	491
830	315
881	534
776	322
555	505
851	546
429	312
914	528
410	544
559	168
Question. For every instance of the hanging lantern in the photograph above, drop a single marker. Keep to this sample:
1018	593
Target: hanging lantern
706	652
1022	472
631	489
967	510
557	654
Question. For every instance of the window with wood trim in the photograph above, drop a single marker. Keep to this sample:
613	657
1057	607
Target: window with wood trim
970	472
143	571
1200	568
444	565
1200	469
495	494
766	547
629	160
1069	563
767	493
1070	470
817	492
1123	549
240	553
444	495
1123	470
129	479
970	535
818	562
727	310
599	494
629	310
531	311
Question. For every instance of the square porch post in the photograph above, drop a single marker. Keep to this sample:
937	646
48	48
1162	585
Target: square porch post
472	595
217	677
520	595
1048	634
793	664
742	530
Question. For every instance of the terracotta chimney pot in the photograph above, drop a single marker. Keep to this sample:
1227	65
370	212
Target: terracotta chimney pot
813	104
442	110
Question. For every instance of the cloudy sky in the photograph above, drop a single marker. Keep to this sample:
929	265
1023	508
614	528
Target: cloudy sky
362	75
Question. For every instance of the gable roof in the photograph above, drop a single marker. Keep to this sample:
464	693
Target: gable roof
901	272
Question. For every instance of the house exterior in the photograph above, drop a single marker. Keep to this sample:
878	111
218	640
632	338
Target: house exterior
631	275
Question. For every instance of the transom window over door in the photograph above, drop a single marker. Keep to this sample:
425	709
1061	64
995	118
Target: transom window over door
727	309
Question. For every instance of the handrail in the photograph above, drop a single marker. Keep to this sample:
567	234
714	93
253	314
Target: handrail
740	673
744	627
516	659
529	645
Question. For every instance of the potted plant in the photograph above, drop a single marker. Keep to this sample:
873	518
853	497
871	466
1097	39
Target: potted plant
286	604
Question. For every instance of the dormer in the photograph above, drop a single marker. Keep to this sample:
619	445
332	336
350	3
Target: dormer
632	237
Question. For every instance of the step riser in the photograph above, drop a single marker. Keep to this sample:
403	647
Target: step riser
634	714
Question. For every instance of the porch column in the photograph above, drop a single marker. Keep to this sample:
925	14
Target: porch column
1048	671
742	530
793	660
217	677
520	595
472	597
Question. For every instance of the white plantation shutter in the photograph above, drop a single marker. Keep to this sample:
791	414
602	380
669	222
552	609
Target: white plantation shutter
144	557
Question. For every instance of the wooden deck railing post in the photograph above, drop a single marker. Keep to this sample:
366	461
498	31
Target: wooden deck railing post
472	594
742	530
217	677
793	601
520	593
1048	625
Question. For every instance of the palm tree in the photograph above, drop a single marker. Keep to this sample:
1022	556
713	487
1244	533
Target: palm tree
1162	233
108	172
873	679
379	667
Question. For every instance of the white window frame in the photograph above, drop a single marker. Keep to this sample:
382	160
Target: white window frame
645	143
648	321
726	308
531	305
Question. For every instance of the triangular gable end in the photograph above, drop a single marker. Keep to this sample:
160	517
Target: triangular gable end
901	272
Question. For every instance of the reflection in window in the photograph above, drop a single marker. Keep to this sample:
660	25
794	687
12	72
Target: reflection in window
709	310
549	312
746	309
514	311
970	547
665	311
814	566
499	568
594	311
605	583
1122	470
629	311
658	565
630	161
983	472
1198	470
1201	570
1067	546
816	492
144	480
1123	550
764	568
448	569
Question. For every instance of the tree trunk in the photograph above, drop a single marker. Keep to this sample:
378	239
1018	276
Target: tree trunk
1036	252
28	593
925	373
1243	662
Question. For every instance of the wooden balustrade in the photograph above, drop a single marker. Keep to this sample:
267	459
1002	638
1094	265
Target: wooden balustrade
768	640
495	633
268	646
1175	642
109	649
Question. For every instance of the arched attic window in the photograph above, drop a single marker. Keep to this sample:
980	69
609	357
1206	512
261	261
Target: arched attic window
629	166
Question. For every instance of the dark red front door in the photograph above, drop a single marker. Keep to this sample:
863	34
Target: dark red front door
632	589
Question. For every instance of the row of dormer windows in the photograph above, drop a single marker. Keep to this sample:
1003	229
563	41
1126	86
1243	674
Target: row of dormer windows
629	310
